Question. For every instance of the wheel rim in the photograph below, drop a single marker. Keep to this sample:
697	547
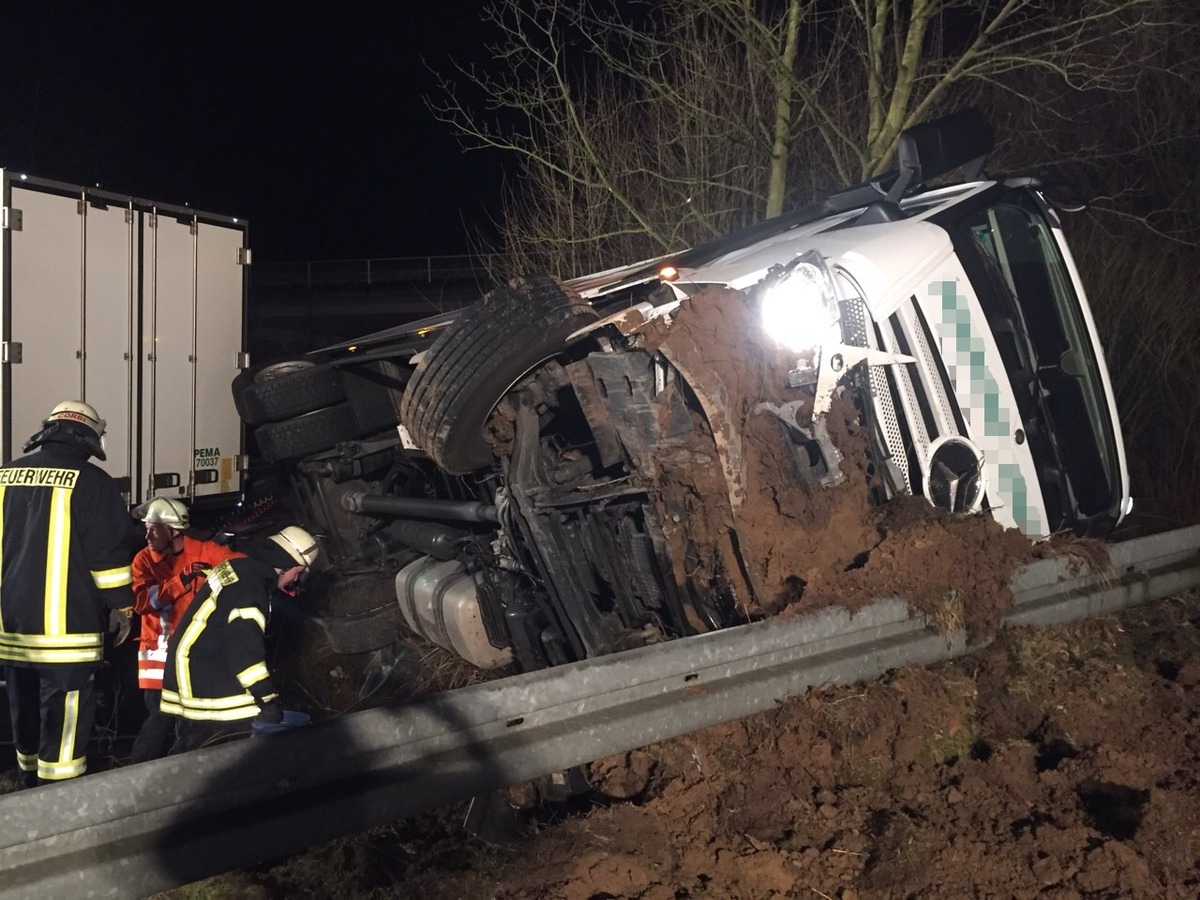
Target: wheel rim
282	370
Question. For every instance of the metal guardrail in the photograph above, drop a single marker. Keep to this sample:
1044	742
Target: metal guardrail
141	829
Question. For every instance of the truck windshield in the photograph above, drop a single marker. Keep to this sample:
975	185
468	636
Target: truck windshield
1035	312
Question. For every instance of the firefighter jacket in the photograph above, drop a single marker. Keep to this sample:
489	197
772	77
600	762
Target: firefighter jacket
216	659
161	597
63	558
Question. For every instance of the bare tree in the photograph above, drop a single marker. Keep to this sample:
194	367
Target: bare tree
641	129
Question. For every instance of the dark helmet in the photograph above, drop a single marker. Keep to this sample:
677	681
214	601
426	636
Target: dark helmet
75	423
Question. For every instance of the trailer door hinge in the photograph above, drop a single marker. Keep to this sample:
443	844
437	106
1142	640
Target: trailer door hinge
129	217
242	360
243	256
11	352
242	462
12	219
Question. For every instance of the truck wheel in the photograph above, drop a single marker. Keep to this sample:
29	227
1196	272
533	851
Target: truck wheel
283	390
306	434
466	371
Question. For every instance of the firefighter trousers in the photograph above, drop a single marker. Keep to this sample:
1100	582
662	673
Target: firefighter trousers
157	734
194	734
53	708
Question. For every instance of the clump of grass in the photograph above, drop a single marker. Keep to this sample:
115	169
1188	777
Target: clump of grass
867	772
948	615
762	730
1039	662
845	716
1043	658
945	745
219	887
1087	552
437	670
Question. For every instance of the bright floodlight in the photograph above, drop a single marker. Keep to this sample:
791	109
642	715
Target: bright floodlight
799	308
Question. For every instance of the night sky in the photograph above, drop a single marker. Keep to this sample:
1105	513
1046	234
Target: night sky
307	119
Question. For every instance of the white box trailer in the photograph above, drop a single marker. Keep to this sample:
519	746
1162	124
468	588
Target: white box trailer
137	307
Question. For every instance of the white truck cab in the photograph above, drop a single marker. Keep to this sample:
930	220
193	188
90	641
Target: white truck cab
988	385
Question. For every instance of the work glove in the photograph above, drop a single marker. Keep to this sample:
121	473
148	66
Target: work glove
270	712
194	571
120	621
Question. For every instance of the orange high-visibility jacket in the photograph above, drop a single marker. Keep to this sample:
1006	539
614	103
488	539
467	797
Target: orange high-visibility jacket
161	598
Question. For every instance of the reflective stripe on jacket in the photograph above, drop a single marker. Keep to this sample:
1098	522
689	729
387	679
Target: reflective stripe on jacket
216	660
63	558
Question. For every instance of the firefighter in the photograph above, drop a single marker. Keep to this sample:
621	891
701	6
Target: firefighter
167	572
216	677
64	575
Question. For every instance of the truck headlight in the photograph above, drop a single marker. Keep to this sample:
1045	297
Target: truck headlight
799	303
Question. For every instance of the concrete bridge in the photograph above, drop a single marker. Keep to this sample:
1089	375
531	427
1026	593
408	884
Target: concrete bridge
296	307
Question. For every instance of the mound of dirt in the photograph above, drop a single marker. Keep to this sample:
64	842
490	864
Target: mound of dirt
1054	763
788	542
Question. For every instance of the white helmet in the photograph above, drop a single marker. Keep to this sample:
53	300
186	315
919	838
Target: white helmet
164	511
75	423
299	544
78	411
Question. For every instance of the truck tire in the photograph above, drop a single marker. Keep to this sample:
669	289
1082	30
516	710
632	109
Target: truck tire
283	390
307	434
466	371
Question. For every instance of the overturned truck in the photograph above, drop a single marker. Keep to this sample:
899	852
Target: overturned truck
569	469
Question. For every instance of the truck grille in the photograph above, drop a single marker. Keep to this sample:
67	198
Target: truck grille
914	403
855	332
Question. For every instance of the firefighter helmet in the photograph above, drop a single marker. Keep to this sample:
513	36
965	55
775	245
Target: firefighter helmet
74	423
164	511
298	544
77	411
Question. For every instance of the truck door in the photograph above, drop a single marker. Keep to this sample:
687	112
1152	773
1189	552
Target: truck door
137	307
70	301
192	331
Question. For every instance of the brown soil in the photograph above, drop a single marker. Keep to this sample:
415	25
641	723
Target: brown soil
1054	763
796	546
